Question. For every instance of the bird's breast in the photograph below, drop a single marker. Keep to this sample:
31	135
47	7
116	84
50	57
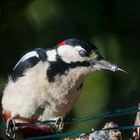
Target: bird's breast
63	95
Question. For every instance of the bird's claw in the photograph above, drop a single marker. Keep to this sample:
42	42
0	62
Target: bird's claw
10	128
59	124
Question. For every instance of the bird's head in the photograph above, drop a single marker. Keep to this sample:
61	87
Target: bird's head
75	51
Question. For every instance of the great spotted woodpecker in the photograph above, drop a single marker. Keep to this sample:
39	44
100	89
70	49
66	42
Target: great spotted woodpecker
45	84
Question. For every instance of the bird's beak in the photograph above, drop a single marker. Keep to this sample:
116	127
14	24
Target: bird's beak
103	64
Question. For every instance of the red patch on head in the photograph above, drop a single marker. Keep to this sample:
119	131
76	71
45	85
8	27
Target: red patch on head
61	43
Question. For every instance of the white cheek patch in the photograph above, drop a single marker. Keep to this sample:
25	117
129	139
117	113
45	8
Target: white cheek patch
27	56
51	55
68	54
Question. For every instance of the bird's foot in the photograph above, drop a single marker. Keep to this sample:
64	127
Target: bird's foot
10	128
59	124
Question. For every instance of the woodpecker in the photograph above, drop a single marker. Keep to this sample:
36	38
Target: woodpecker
46	83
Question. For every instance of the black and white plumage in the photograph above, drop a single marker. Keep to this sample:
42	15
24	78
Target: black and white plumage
45	84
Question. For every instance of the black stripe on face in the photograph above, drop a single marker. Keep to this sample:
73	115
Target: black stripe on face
60	67
23	66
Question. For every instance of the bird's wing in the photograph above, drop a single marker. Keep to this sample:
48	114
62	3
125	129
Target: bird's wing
29	60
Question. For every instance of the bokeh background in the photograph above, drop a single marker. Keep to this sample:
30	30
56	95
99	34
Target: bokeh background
112	25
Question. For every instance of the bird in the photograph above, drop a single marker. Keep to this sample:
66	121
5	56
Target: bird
46	83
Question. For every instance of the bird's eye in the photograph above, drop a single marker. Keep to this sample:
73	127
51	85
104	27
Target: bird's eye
82	53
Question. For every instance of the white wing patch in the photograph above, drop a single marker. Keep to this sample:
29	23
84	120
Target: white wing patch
51	55
27	56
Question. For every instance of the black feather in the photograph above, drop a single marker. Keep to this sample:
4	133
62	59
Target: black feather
20	69
60	67
41	53
77	42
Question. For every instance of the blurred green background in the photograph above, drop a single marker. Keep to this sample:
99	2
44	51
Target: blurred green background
112	25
